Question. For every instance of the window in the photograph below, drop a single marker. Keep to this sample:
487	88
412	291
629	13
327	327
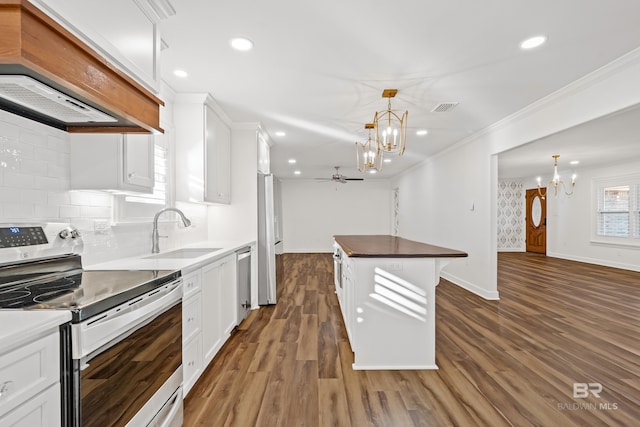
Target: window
614	211
618	210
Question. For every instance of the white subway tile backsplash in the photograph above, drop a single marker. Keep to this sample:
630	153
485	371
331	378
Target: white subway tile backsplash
30	195
99	198
58	198
56	171
8	131
18	180
9	195
52	184
28	137
58	143
18	211
95	212
33	167
45	212
79	198
69	211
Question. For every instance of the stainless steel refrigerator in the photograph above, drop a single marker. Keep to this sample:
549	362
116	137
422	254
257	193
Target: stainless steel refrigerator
267	240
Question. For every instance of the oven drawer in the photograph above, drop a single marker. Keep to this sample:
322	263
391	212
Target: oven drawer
191	317
26	371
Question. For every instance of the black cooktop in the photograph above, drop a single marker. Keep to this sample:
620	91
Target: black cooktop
60	285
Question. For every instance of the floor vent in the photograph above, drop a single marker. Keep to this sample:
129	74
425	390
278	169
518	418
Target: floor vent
444	107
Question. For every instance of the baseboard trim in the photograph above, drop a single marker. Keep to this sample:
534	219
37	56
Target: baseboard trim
488	295
604	263
357	367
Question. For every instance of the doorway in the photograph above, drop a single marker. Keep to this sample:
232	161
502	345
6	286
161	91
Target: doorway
536	221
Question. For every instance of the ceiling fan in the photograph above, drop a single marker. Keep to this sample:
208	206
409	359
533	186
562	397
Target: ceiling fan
338	177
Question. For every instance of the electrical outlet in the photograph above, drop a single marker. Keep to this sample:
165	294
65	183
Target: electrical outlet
100	226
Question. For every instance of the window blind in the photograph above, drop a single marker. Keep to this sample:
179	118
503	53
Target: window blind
613	211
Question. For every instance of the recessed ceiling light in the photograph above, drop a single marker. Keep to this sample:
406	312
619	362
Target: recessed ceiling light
281	133
533	42
297	172
180	73
422	132
387	160
241	43
372	171
574	162
292	161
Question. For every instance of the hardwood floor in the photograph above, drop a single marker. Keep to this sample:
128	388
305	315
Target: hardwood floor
508	362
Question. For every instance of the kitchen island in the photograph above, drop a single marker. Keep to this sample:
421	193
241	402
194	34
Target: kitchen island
386	289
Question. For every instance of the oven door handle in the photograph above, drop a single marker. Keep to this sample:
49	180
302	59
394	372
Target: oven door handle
126	318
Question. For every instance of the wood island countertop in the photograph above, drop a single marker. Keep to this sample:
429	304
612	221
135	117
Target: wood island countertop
386	246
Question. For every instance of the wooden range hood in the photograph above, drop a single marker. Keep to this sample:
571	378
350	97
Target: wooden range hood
34	45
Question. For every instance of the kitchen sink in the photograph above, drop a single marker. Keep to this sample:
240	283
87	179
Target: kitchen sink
183	253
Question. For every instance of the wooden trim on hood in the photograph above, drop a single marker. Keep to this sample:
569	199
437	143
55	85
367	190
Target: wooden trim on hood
32	43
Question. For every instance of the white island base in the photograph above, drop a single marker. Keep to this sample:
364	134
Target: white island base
388	306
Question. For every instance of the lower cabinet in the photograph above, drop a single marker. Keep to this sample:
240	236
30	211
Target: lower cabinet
191	329
208	315
30	384
219	293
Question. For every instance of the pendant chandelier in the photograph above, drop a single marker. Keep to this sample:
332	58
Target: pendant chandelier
556	181
390	127
368	154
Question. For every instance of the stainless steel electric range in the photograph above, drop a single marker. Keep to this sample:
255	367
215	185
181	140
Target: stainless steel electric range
122	351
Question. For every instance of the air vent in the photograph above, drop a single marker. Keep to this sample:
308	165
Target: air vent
444	107
36	96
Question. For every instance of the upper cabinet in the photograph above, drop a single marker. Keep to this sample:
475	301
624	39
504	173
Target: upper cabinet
125	32
203	150
264	158
112	162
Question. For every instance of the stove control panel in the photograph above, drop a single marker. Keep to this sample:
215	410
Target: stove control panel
11	237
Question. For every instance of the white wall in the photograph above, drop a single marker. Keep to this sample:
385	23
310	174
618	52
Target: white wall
315	211
239	220
569	223
447	202
441	189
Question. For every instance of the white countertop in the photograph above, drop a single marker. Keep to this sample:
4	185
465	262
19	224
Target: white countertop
18	327
143	262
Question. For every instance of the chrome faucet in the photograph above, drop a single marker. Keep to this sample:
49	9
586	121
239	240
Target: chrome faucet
155	236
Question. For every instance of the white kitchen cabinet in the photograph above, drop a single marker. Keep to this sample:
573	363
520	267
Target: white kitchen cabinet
30	384
219	294
264	154
203	150
125	32
122	162
211	321
208	315
228	295
191	329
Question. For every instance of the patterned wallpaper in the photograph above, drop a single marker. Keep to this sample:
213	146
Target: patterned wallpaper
511	212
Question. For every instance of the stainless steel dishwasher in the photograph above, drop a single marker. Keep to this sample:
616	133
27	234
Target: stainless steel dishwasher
244	282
